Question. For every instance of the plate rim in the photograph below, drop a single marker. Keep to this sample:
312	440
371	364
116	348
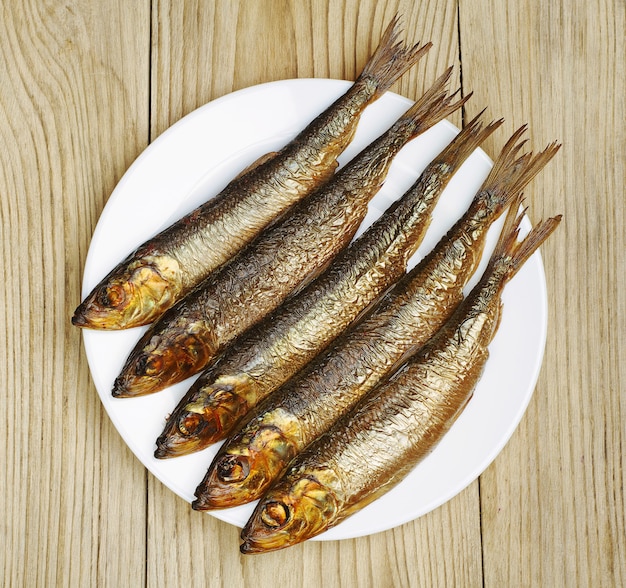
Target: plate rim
86	286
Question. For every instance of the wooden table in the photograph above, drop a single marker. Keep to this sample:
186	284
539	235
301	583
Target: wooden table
86	86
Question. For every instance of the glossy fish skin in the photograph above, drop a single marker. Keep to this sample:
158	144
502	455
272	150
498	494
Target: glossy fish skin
372	448
296	414
225	393
281	345
284	257
165	268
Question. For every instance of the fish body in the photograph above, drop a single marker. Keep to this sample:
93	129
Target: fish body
373	447
284	257
301	410
282	344
168	266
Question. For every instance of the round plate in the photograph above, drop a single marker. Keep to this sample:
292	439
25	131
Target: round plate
191	162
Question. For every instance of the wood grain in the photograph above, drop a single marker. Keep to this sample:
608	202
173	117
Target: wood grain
316	39
553	500
73	116
86	86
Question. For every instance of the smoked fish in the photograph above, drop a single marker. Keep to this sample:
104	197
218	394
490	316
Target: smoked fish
373	447
285	256
166	267
301	410
290	337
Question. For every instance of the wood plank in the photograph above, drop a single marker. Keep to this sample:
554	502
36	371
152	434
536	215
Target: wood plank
203	50
553	502
73	115
83	92
200	52
195	549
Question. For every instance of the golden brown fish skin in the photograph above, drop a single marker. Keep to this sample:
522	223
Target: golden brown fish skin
372	448
408	316
284	257
282	344
168	266
265	358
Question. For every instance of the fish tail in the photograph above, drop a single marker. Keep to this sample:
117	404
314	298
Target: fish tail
507	166
512	172
435	105
535	165
468	139
512	252
391	58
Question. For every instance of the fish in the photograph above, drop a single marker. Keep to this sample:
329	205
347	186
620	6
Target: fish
299	329
286	256
301	410
169	265
372	448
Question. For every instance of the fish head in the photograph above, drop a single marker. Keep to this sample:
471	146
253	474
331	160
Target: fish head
298	507
245	467
214	411
165	355
185	433
132	295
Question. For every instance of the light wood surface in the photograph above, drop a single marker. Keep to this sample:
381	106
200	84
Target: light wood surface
85	86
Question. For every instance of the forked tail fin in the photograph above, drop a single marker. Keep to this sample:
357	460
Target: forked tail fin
468	139
510	253
391	58
512	172
435	105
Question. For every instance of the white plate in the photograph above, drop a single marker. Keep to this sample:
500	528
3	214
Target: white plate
190	163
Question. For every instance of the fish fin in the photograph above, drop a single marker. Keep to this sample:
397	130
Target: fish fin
307	280
391	58
511	226
535	165
514	252
260	161
507	165
468	139
511	173
435	105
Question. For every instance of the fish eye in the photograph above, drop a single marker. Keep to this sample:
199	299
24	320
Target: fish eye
111	296
194	348
233	468
275	514
190	423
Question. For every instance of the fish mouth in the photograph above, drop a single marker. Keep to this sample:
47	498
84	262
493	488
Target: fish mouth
174	445
120	389
249	547
256	538
165	449
129	387
79	319
142	374
208	500
82	319
168	444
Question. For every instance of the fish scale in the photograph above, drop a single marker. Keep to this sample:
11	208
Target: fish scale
300	329
164	269
410	313
285	257
373	447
